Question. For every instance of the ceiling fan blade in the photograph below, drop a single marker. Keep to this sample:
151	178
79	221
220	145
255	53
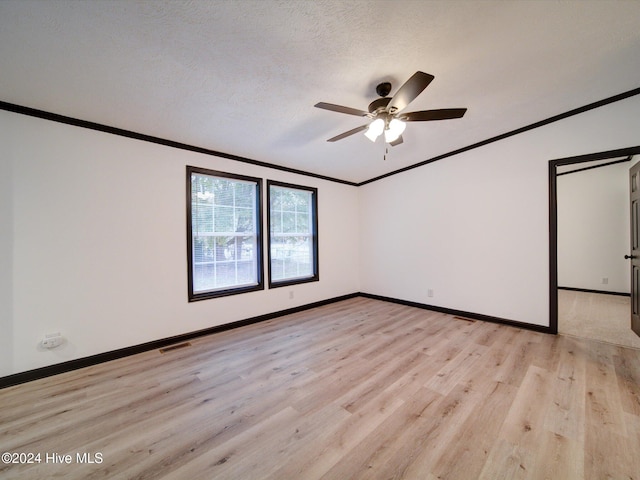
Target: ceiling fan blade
397	142
346	134
341	109
426	115
409	91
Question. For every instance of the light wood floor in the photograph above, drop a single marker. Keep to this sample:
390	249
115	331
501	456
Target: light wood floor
597	316
356	389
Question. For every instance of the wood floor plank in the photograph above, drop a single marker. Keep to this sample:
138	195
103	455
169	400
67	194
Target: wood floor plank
607	450
471	443
449	376
524	424
508	461
520	355
557	457
319	457
566	411
356	389
603	399
415	453
375	451
628	378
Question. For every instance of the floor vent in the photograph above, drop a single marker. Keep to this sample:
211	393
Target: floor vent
175	347
465	319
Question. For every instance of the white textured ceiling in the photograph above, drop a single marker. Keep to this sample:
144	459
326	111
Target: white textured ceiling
242	76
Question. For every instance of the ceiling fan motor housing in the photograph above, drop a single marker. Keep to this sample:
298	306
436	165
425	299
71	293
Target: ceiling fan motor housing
383	89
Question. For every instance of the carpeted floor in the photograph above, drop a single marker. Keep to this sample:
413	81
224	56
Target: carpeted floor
596	316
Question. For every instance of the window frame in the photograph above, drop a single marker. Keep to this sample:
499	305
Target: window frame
234	290
315	276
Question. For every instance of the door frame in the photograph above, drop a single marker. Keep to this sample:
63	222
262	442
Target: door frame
553	219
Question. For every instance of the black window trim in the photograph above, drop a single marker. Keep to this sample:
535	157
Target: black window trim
259	240
314	210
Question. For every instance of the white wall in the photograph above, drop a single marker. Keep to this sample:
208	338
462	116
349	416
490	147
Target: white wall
6	262
593	228
474	227
95	228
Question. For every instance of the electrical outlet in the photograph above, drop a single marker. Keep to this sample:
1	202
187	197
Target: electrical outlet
605	281
430	293
290	294
52	340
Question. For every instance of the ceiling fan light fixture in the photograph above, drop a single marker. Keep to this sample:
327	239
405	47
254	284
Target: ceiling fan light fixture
394	130
385	113
375	129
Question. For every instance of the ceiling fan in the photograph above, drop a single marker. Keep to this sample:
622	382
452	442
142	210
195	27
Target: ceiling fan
386	112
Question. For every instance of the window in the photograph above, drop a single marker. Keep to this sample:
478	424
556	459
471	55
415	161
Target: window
293	234
223	233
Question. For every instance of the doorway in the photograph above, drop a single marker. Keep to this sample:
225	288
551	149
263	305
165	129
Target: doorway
591	300
555	167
